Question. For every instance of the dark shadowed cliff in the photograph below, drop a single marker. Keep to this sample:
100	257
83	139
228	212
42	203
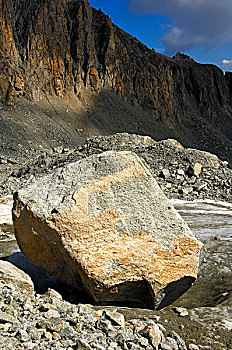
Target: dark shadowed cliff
69	66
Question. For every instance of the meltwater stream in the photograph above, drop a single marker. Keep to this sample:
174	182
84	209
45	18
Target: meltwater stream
207	219
209	300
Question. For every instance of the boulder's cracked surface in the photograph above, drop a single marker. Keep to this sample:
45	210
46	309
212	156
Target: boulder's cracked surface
104	223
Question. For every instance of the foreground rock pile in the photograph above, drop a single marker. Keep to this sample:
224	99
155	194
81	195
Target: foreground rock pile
33	321
27	323
182	173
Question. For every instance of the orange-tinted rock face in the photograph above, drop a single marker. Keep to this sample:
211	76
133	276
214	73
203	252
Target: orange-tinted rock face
35	40
66	45
11	80
104	223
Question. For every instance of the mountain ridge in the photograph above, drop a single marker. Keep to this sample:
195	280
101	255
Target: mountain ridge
52	48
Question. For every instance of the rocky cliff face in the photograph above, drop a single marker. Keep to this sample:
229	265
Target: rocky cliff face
50	47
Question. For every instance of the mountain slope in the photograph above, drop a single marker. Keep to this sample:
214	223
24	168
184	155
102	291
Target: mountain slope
64	47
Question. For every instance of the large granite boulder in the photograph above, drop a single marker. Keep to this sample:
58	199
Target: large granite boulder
104	224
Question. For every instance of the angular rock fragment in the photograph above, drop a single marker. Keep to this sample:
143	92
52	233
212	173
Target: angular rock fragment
11	274
104	223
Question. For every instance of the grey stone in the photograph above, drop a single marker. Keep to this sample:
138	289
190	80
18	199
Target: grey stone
107	203
104	325
192	180
165	346
193	347
12	274
180	178
194	170
116	318
6	318
144	342
171	343
22	335
197	169
181	172
165	173
133	346
85	309
82	345
181	311
178	339
9	343
52	314
187	190
34	334
225	164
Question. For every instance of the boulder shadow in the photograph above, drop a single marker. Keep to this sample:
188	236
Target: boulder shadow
43	281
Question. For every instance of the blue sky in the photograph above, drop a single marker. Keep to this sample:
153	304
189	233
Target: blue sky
200	28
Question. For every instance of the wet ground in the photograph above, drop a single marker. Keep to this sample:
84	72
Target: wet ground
207	219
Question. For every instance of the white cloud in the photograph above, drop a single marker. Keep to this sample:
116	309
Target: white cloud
226	64
194	22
